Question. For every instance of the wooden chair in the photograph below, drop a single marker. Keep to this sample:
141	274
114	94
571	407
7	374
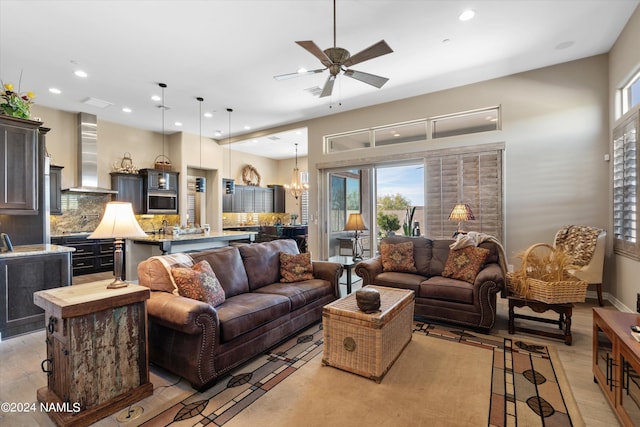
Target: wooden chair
592	272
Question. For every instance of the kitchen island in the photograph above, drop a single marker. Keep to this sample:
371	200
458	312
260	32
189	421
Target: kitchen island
140	248
23	271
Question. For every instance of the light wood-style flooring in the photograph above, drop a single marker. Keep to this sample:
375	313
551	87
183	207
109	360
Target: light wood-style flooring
21	376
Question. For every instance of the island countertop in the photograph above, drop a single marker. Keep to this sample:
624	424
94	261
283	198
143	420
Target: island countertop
212	236
38	249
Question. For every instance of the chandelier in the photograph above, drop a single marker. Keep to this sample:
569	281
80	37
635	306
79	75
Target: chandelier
296	187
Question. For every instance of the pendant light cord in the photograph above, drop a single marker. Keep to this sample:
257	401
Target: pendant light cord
162	107
200	99
229	140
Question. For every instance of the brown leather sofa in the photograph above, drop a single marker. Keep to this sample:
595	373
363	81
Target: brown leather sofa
200	343
437	297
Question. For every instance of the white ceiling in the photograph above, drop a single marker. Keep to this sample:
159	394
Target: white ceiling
227	51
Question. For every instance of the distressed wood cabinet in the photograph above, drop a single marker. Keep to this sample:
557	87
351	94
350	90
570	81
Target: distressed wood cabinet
97	359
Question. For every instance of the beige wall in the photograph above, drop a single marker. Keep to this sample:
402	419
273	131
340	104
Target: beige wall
624	62
555	130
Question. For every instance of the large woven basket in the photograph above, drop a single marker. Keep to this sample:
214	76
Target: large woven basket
162	163
527	283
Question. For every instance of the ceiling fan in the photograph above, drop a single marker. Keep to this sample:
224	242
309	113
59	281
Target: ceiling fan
336	59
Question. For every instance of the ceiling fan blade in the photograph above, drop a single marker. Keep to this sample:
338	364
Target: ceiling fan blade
315	51
298	74
378	49
371	79
328	86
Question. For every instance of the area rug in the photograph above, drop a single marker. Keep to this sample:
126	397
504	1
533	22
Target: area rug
444	377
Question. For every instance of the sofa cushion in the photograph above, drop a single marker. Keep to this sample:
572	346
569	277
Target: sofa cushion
398	257
227	264
262	261
155	272
300	293
422	249
295	268
399	280
440	254
443	288
464	264
199	282
245	312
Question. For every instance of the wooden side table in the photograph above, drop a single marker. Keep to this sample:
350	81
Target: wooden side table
348	263
97	359
564	311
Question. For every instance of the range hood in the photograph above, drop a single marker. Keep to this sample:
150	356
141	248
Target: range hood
87	168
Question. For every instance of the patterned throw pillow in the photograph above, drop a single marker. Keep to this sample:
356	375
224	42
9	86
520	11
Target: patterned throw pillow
295	268
199	282
464	264
398	257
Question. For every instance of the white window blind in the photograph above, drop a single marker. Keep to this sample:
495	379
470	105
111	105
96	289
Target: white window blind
625	187
472	178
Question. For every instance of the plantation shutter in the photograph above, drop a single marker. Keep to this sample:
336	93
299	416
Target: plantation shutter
472	178
625	187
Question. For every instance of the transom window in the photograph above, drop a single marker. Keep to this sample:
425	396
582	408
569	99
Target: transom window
631	94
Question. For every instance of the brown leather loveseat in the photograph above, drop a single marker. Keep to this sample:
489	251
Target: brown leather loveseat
442	298
200	342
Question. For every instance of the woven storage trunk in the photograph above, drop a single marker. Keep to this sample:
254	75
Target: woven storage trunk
367	344
522	283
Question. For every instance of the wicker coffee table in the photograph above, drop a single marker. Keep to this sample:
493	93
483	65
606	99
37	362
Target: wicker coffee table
367	344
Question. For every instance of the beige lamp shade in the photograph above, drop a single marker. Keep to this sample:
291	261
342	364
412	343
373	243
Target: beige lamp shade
461	212
355	223
118	222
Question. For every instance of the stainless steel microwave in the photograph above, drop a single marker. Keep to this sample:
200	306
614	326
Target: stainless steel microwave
162	203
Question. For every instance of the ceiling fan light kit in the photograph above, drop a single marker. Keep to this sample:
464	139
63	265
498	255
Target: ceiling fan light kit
336	59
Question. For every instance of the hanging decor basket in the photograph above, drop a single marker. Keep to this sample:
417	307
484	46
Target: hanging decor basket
162	163
544	277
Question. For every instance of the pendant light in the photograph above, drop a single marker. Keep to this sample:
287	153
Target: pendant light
201	182
230	185
162	176
296	187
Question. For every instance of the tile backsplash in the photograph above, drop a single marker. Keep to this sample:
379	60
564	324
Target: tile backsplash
80	212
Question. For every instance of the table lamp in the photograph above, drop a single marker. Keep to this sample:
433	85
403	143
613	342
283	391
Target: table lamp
356	223
461	213
118	223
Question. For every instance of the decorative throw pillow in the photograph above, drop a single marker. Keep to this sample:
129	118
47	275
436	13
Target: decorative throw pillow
199	282
398	257
295	268
464	264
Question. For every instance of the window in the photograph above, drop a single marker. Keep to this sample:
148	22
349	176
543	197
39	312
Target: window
471	178
625	188
463	123
631	94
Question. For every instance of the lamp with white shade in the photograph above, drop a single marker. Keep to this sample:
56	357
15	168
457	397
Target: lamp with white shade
118	223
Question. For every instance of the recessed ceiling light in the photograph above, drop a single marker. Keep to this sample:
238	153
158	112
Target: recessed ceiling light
446	41
564	45
208	115
302	70
467	15
81	73
247	127
55	90
218	133
156	98
126	109
178	123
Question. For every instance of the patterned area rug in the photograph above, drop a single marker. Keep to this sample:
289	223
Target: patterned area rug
528	386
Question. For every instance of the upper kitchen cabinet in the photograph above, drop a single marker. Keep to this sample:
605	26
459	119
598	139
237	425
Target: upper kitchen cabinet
55	189
18	166
130	189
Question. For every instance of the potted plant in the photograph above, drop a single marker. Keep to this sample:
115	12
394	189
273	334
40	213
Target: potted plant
388	223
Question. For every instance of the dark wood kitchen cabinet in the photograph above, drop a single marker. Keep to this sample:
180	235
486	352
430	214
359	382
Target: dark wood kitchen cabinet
18	166
20	277
55	190
90	256
130	189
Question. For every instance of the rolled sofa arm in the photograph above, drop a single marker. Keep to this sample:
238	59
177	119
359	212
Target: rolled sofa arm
180	313
329	271
369	269
491	273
